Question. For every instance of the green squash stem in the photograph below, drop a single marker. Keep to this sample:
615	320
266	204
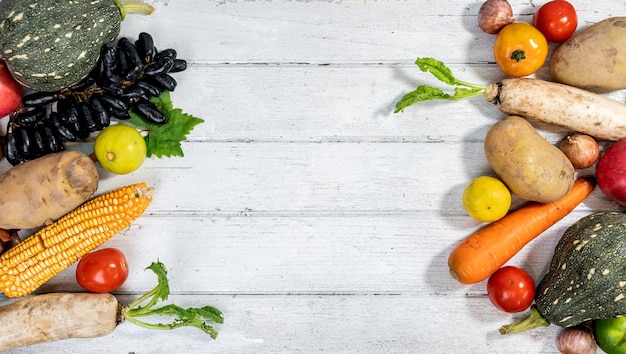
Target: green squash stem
534	320
131	7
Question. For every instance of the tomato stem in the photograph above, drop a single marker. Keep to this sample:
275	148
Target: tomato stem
534	320
518	55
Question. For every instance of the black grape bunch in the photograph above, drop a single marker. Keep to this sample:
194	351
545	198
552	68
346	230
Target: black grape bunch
127	75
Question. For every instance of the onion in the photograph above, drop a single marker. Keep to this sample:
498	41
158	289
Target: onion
582	150
494	14
576	340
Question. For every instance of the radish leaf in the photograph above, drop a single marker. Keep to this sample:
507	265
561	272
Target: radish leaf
194	317
440	71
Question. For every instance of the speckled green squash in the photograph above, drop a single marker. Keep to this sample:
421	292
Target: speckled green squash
49	45
587	276
52	44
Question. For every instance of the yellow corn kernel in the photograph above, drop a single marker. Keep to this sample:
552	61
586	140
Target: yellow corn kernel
32	262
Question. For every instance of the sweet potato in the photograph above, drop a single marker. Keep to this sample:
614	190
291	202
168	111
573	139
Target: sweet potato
39	191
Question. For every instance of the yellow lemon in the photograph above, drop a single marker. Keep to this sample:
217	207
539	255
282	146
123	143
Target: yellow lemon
486	199
120	148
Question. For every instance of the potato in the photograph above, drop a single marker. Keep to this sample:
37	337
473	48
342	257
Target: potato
528	164
594	58
40	191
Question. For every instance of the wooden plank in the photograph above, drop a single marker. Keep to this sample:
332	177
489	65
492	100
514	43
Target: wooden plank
329	31
353	177
329	323
334	104
327	104
354	253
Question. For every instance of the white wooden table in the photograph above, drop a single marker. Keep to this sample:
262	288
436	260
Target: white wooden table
311	215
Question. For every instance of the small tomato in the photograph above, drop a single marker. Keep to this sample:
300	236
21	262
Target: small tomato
511	289
557	20
520	49
102	271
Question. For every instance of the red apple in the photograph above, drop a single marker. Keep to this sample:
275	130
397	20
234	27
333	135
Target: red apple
611	172
10	91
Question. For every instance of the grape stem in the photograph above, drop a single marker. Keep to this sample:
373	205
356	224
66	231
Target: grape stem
131	7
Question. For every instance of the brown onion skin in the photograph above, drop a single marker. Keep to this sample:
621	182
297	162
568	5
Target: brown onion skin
581	149
576	340
494	14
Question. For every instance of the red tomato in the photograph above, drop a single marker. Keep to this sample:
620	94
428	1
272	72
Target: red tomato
102	271
557	20
511	289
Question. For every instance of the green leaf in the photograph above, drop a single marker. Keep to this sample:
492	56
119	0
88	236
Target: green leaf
438	69
194	317
164	288
443	74
160	292
461	93
206	312
186	317
211	313
165	140
163	102
421	93
172	310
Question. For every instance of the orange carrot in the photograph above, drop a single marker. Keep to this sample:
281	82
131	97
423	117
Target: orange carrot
485	251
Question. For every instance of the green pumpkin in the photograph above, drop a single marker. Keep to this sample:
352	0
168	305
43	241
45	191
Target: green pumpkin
49	45
587	276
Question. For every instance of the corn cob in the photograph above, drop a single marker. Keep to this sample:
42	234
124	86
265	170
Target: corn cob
57	246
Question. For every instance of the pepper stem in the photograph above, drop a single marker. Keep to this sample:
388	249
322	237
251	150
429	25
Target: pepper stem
534	320
131	7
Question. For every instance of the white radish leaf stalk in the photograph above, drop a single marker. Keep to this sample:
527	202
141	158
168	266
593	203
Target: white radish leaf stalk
194	317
